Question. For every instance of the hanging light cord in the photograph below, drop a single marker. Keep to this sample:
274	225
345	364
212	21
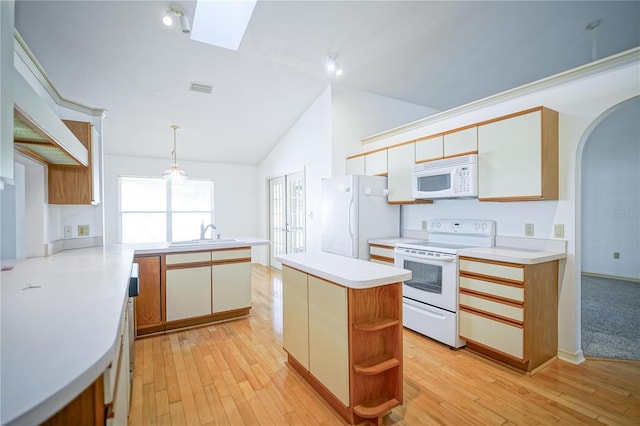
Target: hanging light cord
173	153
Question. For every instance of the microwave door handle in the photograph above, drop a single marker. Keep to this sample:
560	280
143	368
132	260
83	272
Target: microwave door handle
454	171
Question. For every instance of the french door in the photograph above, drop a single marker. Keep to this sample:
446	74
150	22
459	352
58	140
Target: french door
286	216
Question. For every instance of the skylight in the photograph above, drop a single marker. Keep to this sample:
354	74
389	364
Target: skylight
222	23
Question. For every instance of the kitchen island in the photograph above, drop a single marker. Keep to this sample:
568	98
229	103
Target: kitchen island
342	330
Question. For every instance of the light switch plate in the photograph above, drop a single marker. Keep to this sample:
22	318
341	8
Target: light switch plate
528	229
83	230
558	230
67	231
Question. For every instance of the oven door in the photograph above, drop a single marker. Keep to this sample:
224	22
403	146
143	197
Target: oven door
433	281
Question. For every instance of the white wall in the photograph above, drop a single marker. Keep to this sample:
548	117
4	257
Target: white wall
307	145
611	194
236	195
580	102
356	114
12	214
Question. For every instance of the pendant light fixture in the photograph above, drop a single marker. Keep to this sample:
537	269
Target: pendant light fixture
174	172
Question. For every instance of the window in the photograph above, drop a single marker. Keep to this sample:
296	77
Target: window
157	210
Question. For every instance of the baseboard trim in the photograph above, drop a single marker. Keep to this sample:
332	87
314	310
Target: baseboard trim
574	358
612	277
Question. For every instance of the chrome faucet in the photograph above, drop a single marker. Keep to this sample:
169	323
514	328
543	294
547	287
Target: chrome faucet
203	229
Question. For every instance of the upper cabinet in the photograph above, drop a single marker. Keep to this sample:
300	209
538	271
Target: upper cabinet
355	165
461	142
518	157
401	159
375	163
429	148
77	184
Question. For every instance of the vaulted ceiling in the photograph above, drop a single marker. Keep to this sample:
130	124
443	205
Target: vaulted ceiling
118	55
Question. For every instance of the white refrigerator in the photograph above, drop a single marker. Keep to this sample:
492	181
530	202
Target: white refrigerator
354	210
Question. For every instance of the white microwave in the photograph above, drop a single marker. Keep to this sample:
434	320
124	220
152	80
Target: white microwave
455	177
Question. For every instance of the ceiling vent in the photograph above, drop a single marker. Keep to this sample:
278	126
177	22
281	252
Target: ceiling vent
202	88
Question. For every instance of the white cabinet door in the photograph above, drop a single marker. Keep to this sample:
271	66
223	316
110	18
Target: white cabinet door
231	286
6	88
510	157
95	166
329	337
400	166
295	315
188	292
429	149
355	165
461	142
375	163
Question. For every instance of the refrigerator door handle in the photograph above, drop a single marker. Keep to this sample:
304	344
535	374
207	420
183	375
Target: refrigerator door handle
351	213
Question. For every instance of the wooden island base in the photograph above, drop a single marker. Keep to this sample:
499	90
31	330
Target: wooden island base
344	335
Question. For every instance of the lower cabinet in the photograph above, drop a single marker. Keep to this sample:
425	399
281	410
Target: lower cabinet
379	253
347	343
190	288
188	292
509	311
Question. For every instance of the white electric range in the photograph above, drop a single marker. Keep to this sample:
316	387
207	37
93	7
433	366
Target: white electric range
430	297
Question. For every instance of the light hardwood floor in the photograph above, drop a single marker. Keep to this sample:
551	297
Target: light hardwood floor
235	373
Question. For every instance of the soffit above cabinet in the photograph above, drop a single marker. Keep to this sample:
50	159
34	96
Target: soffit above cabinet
39	132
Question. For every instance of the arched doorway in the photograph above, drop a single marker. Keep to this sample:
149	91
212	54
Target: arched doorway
610	235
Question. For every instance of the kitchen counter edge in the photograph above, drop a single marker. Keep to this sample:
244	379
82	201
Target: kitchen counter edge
345	271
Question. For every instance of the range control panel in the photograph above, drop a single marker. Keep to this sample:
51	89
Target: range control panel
462	226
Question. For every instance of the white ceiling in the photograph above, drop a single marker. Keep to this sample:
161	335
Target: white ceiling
119	56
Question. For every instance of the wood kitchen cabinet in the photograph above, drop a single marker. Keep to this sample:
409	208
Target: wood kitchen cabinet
518	157
461	141
77	184
231	279
184	289
509	311
379	253
429	148
346	342
355	165
401	159
150	301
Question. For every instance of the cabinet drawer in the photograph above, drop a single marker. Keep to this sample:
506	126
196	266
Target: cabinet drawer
201	256
496	289
513	273
493	307
231	254
384	251
497	335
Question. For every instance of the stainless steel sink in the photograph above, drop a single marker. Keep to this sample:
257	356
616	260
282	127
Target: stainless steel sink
198	242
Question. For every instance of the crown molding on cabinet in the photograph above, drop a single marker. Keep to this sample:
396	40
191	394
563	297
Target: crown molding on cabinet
23	51
600	66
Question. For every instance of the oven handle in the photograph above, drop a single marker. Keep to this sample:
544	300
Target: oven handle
424	311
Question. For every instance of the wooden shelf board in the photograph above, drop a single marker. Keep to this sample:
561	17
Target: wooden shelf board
376	365
376	324
376	408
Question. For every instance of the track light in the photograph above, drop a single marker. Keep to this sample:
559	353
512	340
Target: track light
178	11
333	66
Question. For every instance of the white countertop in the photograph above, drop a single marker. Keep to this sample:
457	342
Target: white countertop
58	338
526	251
160	248
346	271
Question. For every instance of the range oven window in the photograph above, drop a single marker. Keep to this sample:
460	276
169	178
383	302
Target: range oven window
425	276
434	183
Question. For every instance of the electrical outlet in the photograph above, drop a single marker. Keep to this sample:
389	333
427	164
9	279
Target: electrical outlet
558	230
67	231
83	230
528	229
616	255
425	225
